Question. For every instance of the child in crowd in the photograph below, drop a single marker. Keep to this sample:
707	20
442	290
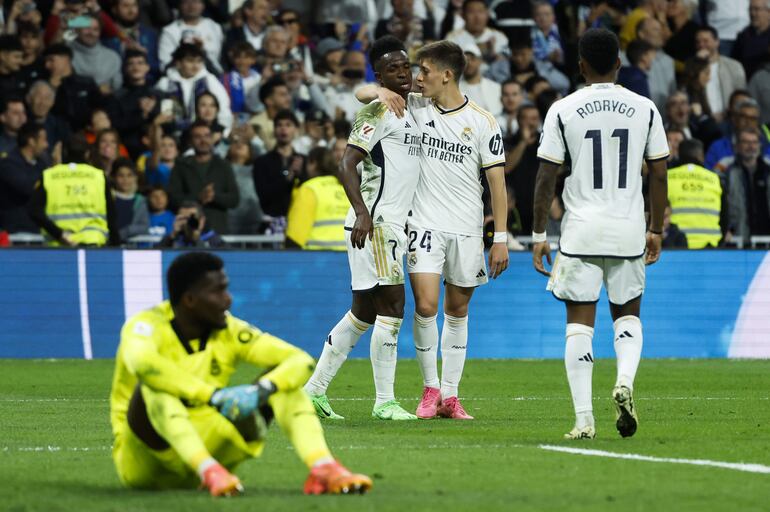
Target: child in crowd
131	207
161	218
242	83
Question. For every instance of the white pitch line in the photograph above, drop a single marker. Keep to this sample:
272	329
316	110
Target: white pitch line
53	448
737	466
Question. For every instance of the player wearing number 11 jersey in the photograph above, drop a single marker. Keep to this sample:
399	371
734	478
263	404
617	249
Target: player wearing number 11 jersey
602	133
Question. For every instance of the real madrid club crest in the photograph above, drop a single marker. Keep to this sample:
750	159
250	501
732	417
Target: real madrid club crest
396	269
412	259
466	135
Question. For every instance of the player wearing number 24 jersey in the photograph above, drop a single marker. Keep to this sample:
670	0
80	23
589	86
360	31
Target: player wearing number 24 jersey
602	134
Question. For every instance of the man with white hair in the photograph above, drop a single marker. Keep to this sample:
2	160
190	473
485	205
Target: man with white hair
40	100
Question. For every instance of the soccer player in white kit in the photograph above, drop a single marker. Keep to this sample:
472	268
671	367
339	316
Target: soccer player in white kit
388	149
602	133
460	143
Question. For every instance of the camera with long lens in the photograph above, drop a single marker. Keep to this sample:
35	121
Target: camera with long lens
193	222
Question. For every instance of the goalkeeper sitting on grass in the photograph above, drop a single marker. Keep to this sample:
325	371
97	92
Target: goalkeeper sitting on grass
175	421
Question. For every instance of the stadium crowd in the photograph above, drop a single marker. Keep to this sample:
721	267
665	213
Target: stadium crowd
215	117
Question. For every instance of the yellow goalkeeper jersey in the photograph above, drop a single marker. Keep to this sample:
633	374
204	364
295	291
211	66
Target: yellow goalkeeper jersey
151	353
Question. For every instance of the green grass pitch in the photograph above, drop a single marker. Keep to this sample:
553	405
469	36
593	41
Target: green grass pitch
55	443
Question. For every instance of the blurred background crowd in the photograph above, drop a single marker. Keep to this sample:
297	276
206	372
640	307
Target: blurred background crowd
212	118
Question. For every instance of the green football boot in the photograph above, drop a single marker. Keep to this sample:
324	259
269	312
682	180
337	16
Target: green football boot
323	408
392	410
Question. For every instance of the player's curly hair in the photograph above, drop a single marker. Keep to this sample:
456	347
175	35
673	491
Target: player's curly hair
383	45
599	48
187	270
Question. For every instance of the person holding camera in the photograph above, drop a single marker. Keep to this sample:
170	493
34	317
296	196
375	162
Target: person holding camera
190	229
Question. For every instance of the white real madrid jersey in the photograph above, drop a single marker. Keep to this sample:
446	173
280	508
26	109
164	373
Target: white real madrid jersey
391	166
457	146
603	132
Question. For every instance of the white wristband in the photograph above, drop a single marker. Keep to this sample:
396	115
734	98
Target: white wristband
538	237
501	237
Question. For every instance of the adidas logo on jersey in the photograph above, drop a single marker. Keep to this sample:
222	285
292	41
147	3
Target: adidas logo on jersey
587	358
482	273
407	125
431	124
380	219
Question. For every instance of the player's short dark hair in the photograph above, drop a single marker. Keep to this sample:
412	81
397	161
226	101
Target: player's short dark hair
187	50
29	130
268	87
691	152
599	47
286	115
709	29
446	55
58	49
187	270
636	50
10	43
383	45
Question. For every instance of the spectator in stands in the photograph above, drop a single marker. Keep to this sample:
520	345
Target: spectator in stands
187	79
299	50
18	13
405	25
695	78
493	43
341	98
133	217
747	189
600	14
19	171
274	95
752	43
338	148
721	151
634	77
681	45
161	218
191	28
93	59
521	164
101	121
759	87
190	229
512	96
11	81
273	57
137	100
330	52
256	14
673	238
476	87
695	194
726	76
522	67
12	118
40	100
246	218
76	95
164	150
106	150
83	218
546	41
33	65
305	93
316	219
674	138
134	35
243	81
277	172
207	110
661	77
534	86
728	18
646	9
58	26
316	132
206	178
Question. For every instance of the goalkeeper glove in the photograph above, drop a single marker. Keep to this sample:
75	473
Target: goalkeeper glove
238	402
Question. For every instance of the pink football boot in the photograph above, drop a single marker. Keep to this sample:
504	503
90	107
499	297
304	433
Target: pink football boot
431	398
452	408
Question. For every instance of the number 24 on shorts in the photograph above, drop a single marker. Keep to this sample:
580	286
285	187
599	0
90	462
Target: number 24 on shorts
424	242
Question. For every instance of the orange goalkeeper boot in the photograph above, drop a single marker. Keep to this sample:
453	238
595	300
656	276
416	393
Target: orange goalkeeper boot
334	478
221	482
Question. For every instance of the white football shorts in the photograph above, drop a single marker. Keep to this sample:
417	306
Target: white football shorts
381	261
578	279
459	258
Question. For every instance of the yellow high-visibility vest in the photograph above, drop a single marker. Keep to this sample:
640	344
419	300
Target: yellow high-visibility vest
75	201
695	194
317	218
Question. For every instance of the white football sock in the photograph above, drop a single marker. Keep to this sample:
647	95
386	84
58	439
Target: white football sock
628	348
579	362
383	353
454	339
425	333
341	340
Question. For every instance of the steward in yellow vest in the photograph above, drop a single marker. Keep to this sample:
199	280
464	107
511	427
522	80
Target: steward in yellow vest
317	214
73	205
695	194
